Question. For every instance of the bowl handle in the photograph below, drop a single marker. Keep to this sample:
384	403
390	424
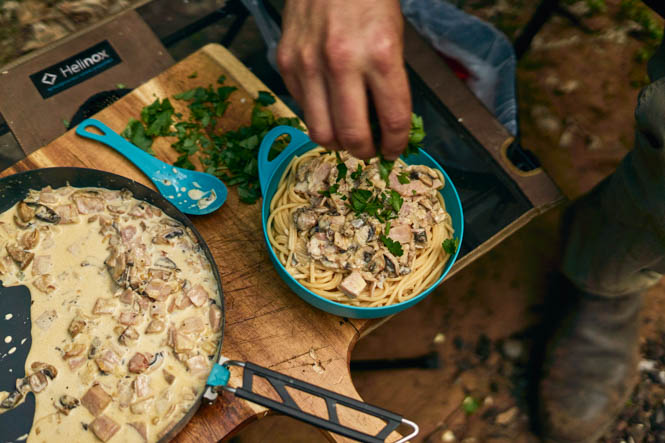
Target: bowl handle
267	167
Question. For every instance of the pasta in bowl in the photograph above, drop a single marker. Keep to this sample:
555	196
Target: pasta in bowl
351	237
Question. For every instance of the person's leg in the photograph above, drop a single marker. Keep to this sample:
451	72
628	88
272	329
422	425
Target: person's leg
614	250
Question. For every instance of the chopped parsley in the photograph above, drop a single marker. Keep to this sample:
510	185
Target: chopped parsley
158	117
193	75
393	246
135	133
403	178
331	190
470	405
385	167
356	175
232	155
450	245
341	168
387	227
395	200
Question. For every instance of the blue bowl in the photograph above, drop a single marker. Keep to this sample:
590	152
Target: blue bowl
270	172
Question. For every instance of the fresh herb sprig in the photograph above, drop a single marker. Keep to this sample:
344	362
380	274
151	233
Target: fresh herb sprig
450	245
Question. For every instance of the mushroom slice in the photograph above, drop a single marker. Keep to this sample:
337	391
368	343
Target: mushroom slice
30	239
76	326
20	256
165	262
66	403
23	385
129	336
73	350
44	213
170	378
46	368
12	400
25	212
38	382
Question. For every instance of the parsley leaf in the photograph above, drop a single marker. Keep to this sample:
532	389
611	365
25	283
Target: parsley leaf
331	190
393	246
193	75
356	175
158	117
341	171
388	228
359	199
385	167
450	245
403	178
135	133
265	98
395	200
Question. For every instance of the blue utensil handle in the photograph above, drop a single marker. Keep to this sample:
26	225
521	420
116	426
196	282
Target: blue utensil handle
267	167
112	139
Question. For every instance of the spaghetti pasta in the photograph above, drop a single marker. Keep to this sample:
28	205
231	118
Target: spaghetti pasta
356	234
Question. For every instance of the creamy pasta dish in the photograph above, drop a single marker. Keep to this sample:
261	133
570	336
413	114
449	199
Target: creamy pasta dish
126	316
356	233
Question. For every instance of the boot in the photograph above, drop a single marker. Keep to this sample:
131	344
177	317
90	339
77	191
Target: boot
590	367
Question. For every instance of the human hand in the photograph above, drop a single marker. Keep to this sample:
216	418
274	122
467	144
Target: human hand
335	56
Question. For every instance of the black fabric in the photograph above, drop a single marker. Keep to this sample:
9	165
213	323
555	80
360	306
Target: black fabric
657	5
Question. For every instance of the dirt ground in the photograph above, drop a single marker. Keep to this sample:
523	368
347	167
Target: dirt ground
577	91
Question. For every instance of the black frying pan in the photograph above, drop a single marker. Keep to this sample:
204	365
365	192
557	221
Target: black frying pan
18	421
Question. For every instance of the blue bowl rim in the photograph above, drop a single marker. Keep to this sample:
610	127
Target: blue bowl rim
280	161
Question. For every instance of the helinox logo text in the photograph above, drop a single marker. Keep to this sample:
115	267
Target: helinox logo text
75	69
83	64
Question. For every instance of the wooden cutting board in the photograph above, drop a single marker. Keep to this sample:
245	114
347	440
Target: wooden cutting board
265	322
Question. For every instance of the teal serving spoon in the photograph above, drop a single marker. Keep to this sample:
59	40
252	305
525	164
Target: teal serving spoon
192	192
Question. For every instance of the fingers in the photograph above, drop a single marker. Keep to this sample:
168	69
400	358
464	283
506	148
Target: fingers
348	102
389	87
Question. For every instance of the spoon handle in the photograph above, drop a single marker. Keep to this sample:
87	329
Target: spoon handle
142	160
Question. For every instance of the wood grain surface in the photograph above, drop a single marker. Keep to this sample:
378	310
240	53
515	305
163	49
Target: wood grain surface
265	322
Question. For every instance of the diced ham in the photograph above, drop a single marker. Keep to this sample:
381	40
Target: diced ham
104	306
192	325
96	400
197	365
142	386
88	204
182	342
400	233
144	303
158	289
182	302
157	309
41	264
414	187
104	428
127	232
198	295
140	428
129	318
127	296
45	320
68	213
215	317
76	326
74	350
138	363
44	283
75	363
155	327
107	361
352	285
304	219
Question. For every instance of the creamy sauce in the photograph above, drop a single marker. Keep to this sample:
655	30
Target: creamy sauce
67	277
195	194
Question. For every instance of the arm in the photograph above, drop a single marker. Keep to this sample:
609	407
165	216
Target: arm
337	55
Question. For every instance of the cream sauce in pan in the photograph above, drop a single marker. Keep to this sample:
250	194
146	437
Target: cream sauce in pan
125	317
